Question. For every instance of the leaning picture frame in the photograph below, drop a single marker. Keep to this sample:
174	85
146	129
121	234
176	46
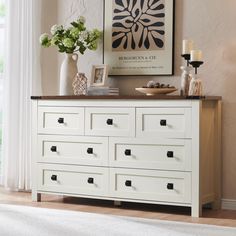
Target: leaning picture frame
99	76
139	37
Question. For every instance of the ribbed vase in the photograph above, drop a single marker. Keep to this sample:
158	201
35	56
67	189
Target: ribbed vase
68	72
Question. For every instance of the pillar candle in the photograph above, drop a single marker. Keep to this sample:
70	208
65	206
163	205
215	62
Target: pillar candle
188	46
196	55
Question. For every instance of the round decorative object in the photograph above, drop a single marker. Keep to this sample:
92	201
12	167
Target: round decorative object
68	72
156	91
80	84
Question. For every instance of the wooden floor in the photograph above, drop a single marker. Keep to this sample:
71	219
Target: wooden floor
222	217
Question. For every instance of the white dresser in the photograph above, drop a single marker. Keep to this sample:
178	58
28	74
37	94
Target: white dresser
134	149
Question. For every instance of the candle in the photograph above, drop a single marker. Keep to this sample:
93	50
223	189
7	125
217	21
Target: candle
196	55
188	46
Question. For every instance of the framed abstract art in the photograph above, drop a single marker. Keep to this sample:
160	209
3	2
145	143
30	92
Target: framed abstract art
139	37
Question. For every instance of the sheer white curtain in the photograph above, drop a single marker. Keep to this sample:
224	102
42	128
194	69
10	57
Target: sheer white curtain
22	79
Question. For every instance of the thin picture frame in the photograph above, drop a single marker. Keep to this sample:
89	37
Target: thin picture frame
99	76
138	61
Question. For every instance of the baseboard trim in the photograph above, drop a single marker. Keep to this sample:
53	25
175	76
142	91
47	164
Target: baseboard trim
228	204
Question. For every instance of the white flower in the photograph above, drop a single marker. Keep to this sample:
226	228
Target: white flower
82	19
56	28
84	35
43	38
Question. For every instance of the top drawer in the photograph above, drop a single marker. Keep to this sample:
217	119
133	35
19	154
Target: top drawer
107	121
61	120
164	122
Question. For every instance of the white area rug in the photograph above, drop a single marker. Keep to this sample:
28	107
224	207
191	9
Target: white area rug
29	221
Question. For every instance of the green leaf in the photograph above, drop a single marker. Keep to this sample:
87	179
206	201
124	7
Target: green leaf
61	48
75	24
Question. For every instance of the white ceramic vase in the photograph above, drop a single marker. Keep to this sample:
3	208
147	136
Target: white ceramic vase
68	72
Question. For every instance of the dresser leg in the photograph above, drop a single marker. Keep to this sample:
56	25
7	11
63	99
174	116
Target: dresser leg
36	197
117	203
196	211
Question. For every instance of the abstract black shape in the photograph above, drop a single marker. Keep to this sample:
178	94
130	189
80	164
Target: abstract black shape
158	42
117	42
119	3
147	43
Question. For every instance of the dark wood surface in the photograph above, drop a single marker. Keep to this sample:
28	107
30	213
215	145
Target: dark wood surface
126	97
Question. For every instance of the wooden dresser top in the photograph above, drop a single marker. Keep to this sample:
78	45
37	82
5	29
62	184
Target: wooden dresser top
126	97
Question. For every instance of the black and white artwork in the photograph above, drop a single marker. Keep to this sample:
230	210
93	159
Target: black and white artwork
138	25
139	37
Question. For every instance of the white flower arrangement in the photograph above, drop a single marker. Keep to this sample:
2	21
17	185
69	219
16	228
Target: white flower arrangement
56	28
74	39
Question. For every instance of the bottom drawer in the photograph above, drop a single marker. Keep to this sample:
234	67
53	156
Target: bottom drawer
151	185
73	179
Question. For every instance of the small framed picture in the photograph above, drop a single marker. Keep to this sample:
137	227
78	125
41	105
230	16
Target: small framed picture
99	76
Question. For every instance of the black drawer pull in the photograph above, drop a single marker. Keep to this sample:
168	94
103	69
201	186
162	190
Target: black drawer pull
54	177
170	186
90	180
163	122
128	183
128	152
61	120
90	150
110	121
170	154
54	149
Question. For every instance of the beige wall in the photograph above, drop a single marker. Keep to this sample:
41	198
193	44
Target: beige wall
49	56
211	23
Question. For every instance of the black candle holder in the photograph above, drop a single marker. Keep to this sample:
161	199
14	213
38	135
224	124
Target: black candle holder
196	65
186	57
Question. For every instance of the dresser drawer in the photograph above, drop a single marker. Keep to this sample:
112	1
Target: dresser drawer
73	179
73	150
61	120
164	122
160	154
151	185
110	121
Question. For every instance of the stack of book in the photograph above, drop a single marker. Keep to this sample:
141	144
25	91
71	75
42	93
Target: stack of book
103	91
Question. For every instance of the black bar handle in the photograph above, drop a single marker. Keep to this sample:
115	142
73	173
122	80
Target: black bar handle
54	149
163	123
110	121
170	154
90	150
54	177
90	180
60	120
170	186
128	183
128	152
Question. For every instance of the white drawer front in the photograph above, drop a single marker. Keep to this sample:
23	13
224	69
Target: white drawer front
73	179
151	185
164	122
61	120
167	154
73	150
110	122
